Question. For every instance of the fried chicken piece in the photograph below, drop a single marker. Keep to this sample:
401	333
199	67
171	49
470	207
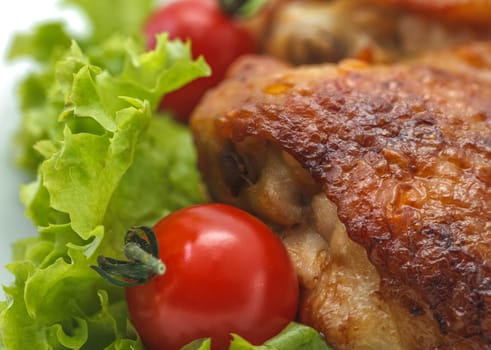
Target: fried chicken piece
378	180
475	12
306	32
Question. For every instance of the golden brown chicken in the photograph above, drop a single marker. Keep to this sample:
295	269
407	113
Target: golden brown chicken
378	180
475	12
373	30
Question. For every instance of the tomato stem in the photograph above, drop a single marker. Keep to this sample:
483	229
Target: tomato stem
241	8
142	251
134	252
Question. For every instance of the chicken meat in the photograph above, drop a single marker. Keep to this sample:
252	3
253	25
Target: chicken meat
378	180
306	32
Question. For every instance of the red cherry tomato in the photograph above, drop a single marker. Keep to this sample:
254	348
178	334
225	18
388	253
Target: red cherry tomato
226	273
212	33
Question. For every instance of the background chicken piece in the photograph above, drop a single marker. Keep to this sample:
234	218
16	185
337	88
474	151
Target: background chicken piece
473	12
378	179
303	32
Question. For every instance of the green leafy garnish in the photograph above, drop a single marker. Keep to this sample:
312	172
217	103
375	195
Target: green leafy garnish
294	337
104	161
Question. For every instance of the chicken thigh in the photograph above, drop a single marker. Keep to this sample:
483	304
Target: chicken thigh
378	180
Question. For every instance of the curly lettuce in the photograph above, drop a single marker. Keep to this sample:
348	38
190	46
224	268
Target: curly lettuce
104	160
294	337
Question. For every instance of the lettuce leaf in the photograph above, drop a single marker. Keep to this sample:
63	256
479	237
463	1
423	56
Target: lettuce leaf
126	16
108	162
294	337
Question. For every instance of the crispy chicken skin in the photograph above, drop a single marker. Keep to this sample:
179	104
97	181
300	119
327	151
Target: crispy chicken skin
306	32
476	12
378	180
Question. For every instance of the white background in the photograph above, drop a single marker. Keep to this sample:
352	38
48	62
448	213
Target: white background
15	16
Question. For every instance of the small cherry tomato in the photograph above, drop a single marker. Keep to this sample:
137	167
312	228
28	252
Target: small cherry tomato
213	34
226	272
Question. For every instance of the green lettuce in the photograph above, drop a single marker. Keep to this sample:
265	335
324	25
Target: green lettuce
105	46
294	337
105	160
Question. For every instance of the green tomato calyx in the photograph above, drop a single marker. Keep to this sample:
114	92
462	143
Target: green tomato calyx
142	251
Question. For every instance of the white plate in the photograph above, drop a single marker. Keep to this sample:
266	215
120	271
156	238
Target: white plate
15	16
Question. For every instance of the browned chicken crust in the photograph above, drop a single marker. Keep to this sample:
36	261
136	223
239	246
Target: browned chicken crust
403	152
310	32
469	11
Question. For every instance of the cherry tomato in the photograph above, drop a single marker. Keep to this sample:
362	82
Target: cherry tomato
213	34
227	272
